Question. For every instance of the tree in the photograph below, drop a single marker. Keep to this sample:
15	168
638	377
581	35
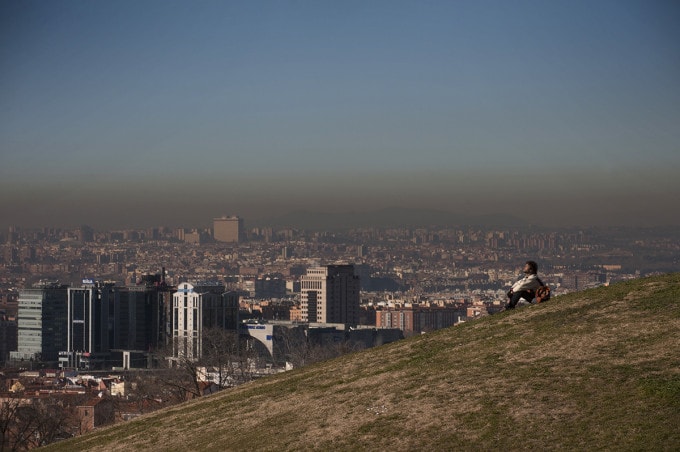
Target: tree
144	393
50	420
300	350
294	345
178	376
221	350
9	411
225	360
27	423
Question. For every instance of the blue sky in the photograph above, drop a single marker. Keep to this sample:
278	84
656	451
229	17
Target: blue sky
263	107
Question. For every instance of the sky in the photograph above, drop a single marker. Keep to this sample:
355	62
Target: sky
164	112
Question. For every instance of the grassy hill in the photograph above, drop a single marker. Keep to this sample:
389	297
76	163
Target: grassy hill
598	369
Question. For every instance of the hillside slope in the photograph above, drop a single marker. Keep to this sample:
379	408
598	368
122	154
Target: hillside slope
590	370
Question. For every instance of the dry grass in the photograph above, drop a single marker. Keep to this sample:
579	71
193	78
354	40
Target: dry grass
598	369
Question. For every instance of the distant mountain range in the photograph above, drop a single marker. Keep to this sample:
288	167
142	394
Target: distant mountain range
383	218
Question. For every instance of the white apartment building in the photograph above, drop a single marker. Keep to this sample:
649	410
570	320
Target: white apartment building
187	325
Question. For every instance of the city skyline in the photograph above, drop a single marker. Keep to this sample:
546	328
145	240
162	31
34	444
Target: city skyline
172	113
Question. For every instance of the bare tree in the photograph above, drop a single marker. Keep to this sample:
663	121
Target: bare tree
226	360
144	393
300	350
221	350
51	420
179	376
294	345
247	360
9	412
30	423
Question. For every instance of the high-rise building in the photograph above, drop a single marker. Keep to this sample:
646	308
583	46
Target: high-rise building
186	317
8	338
158	299
89	326
41	321
270	286
197	308
330	294
219	309
105	320
228	229
134	309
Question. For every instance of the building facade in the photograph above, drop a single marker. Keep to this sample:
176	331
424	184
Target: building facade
197	308
228	229
105	322
186	316
41	320
8	338
417	320
330	294
90	322
80	327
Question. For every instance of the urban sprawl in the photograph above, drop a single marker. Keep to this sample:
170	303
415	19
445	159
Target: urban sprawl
107	325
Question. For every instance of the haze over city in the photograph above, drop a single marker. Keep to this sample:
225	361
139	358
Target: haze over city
125	114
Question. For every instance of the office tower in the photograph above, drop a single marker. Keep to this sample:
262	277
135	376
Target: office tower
228	229
158	296
213	314
270	286
219	308
89	326
140	315
42	319
230	302
105	320
8	338
330	294
133	312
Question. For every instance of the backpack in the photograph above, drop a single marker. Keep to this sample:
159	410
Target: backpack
542	294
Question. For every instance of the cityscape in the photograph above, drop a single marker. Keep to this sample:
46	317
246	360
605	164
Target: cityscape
95	302
196	196
87	315
445	275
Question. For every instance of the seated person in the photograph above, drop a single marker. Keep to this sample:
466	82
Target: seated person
526	287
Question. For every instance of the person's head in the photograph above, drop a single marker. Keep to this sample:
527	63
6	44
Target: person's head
531	267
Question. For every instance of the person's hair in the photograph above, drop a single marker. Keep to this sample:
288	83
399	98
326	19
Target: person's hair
533	266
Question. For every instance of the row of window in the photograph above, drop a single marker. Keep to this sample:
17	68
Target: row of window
318	285
185	317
